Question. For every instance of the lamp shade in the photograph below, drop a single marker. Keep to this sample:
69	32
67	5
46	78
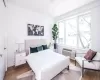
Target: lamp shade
20	45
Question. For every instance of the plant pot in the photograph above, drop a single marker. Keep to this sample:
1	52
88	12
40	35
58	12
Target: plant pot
55	45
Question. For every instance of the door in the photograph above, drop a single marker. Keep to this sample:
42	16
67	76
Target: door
3	35
5	49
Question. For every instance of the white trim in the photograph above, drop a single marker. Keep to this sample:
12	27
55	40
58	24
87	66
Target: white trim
64	32
81	14
77	31
70	47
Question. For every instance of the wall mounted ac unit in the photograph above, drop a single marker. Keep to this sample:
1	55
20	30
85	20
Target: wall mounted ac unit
69	52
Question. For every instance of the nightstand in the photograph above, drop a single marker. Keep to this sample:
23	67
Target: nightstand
20	58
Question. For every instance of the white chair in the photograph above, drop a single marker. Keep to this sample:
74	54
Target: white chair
90	65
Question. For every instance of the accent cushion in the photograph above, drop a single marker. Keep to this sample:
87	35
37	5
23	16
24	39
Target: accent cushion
44	47
87	64
40	48
33	49
90	54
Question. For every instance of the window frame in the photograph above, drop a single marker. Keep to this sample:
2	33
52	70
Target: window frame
77	18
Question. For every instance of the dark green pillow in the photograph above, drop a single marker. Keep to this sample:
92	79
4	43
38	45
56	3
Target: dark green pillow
33	49
44	47
40	48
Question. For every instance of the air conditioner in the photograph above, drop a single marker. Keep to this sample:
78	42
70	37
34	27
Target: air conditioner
69	52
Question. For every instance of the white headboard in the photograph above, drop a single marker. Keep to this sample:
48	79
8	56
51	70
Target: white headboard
33	43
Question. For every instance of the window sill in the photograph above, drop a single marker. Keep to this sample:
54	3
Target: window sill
70	47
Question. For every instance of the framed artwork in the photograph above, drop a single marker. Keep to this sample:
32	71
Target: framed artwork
35	30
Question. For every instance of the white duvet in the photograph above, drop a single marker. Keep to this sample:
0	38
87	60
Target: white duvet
47	64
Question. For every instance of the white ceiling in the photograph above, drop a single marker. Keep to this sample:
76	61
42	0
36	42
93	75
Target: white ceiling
40	6
53	7
64	6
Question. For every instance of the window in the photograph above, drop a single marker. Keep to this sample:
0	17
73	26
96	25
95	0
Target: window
76	31
61	33
71	32
84	31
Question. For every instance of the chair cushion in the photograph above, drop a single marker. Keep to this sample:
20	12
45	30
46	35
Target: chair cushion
97	57
90	54
87	64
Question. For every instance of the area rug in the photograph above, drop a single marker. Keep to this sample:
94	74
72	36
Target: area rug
64	75
75	68
68	75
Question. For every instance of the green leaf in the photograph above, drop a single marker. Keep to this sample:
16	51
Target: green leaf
55	32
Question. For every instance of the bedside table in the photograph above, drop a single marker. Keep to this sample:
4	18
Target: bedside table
20	58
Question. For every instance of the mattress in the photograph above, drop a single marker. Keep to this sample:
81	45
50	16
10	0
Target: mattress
47	64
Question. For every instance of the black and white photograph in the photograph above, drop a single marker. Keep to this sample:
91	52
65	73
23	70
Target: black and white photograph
35	30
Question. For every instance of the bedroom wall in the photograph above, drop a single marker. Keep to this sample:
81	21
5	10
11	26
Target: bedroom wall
95	28
2	26
16	21
94	7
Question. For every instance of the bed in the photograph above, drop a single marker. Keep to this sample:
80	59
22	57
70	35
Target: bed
46	64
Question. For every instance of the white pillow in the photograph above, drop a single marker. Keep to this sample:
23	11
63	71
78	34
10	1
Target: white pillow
97	56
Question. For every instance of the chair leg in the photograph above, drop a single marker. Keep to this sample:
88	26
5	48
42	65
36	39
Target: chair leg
82	72
75	62
68	68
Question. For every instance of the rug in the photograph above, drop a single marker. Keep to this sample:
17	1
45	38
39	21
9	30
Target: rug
75	68
68	75
64	75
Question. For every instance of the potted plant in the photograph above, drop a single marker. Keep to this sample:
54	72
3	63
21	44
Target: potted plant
55	35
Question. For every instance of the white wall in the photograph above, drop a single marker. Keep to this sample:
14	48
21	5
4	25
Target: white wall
14	20
95	23
3	17
2	12
96	28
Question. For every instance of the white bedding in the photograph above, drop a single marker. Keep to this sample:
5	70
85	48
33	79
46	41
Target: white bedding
47	64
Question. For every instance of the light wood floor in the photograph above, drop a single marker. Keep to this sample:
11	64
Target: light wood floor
13	72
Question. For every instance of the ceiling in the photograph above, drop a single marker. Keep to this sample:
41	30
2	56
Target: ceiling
34	5
69	5
51	7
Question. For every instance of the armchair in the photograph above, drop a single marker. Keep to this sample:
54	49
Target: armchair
90	65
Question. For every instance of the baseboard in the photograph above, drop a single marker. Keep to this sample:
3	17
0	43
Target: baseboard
10	68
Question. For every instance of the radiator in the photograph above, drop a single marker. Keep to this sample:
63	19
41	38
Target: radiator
69	52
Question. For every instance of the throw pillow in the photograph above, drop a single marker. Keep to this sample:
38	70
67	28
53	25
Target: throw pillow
33	49
44	47
90	54
40	48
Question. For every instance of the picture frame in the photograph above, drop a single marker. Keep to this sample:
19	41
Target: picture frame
35	30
